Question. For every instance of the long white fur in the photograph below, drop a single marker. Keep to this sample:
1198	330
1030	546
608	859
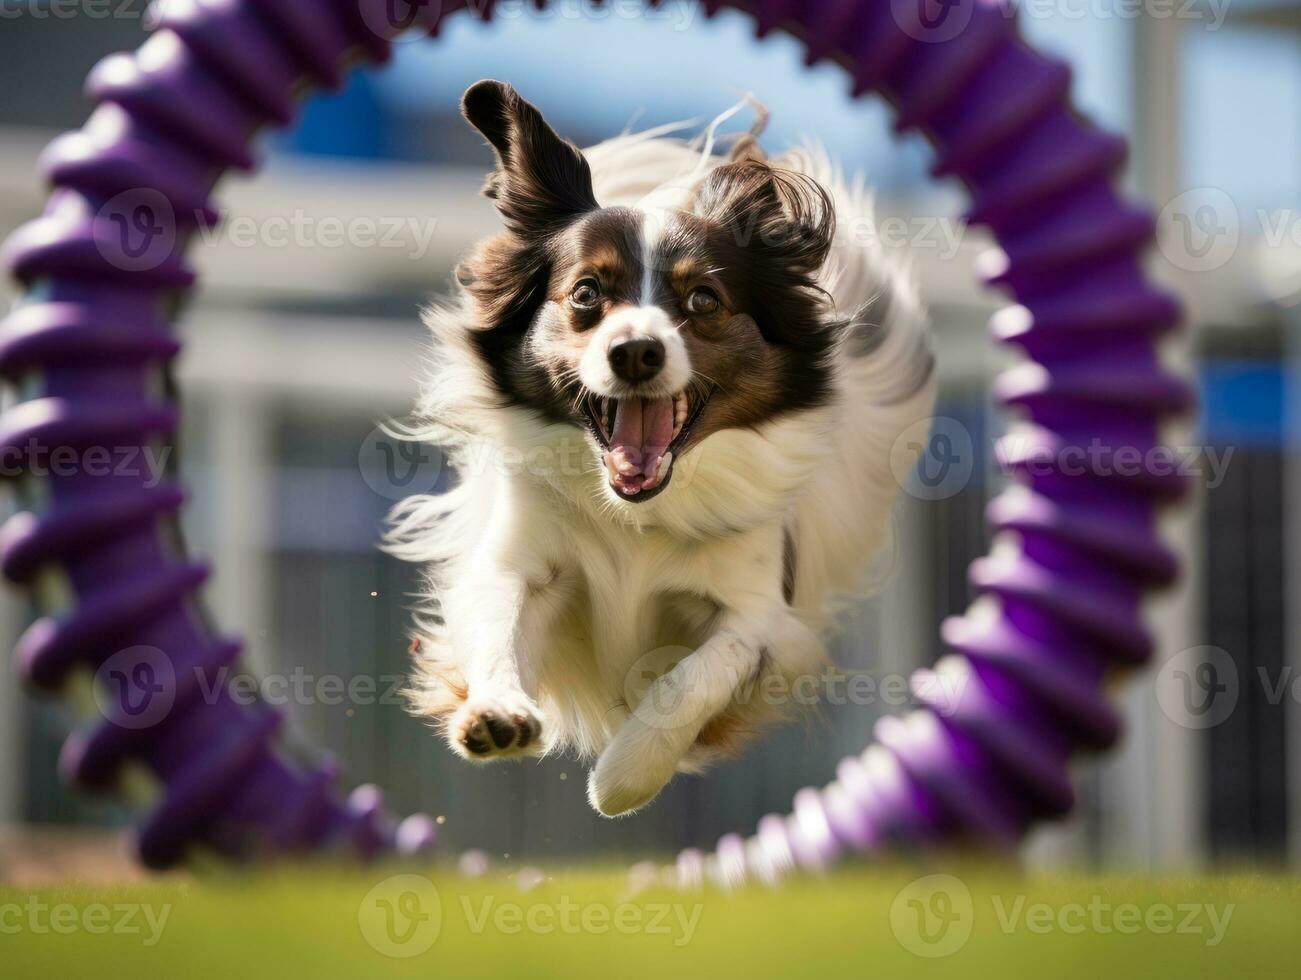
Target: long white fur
624	628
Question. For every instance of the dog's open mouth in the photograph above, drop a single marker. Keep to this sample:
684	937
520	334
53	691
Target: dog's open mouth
641	436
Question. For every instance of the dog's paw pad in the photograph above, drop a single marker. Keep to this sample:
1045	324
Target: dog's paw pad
492	731
529	728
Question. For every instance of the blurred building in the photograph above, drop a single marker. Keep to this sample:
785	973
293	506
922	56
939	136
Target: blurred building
305	334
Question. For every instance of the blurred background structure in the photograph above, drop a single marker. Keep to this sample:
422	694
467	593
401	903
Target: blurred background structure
305	335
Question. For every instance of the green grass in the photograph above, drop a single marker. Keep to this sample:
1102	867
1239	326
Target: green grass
860	923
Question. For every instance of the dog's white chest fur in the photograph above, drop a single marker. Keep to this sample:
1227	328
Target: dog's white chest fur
614	599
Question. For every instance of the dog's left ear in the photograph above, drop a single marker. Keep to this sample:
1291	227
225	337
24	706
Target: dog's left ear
783	219
541	180
785	223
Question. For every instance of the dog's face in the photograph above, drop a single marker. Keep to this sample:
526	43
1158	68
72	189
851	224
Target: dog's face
650	328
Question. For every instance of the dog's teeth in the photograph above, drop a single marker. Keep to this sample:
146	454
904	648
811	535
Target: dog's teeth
603	416
661	471
609	467
622	462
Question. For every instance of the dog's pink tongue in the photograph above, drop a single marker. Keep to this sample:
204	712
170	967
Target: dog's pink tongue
643	428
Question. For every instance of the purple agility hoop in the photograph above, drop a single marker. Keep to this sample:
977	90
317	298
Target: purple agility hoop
1058	611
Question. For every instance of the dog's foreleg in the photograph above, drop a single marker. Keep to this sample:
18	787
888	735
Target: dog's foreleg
498	616
646	751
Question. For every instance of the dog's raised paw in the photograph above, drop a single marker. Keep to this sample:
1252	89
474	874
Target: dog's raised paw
617	799
630	772
484	730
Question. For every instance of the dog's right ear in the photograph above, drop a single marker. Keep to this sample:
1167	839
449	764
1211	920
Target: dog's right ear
541	180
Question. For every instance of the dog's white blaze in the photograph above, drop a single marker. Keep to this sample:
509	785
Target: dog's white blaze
628	323
652	234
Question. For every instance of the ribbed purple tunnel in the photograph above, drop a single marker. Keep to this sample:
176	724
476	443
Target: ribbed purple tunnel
104	267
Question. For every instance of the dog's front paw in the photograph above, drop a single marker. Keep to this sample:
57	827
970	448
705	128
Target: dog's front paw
630	772
496	729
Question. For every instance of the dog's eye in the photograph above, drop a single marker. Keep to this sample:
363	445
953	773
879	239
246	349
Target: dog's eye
586	294
703	302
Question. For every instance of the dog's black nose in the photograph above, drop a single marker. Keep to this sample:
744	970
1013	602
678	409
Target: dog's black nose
637	360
